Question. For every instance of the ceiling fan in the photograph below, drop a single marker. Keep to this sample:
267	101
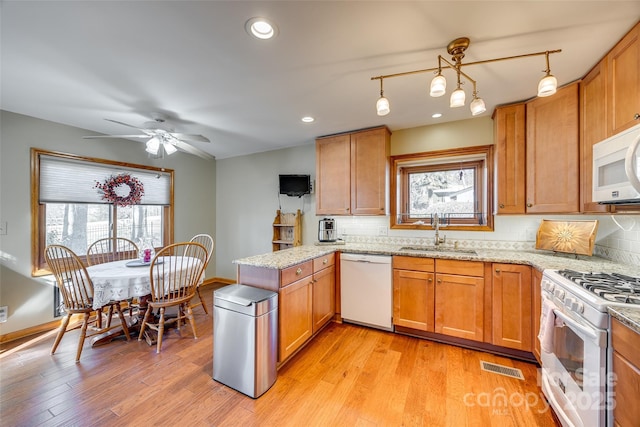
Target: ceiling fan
161	136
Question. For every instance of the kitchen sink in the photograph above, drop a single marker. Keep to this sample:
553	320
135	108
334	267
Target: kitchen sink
438	249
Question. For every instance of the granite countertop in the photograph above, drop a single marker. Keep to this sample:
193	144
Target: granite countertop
539	259
629	316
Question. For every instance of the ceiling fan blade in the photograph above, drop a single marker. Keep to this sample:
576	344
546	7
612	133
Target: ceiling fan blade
193	150
190	137
124	124
115	136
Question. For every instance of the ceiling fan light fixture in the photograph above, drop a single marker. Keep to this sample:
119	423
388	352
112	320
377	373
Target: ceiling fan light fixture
169	148
438	86
457	98
152	146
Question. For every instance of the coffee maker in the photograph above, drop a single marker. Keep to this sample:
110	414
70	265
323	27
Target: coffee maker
327	230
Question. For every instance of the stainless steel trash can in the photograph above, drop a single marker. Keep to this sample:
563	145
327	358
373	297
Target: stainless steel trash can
245	336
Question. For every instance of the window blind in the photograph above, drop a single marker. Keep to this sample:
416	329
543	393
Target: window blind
73	181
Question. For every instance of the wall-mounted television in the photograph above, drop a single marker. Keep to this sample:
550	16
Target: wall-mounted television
295	185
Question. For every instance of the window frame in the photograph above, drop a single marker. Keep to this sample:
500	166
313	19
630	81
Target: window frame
403	165
38	210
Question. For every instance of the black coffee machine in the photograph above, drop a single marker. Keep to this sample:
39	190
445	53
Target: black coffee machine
327	230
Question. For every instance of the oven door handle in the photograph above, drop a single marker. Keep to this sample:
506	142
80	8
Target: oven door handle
594	336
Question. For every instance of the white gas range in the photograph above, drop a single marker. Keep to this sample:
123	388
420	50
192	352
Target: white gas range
576	342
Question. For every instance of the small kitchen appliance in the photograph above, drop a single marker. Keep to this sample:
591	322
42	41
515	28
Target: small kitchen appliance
327	230
575	338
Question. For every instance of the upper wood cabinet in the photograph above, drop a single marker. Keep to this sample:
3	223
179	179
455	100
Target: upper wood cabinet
623	83
352	172
553	179
509	134
593	129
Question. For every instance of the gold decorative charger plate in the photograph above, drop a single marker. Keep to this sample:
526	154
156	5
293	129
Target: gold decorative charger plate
573	237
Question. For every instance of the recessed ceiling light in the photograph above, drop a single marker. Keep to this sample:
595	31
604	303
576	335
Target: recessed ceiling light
308	119
436	115
261	28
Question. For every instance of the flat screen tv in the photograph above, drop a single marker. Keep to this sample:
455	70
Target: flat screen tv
295	185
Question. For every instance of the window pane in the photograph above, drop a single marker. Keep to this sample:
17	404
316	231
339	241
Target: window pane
450	193
142	224
76	225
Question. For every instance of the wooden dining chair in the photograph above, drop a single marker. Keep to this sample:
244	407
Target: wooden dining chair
175	273
208	243
111	249
76	289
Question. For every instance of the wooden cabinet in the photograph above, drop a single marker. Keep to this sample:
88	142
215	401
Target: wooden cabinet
287	230
295	323
511	306
626	370
414	293
352	173
509	135
324	291
459	299
536	279
552	183
593	129
623	83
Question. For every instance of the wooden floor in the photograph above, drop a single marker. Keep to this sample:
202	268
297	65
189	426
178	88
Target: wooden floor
348	376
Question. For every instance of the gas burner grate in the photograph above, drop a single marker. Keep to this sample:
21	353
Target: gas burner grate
612	287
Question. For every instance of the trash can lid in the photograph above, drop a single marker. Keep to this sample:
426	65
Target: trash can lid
243	295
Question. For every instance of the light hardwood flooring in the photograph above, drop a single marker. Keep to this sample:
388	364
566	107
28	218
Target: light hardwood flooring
347	376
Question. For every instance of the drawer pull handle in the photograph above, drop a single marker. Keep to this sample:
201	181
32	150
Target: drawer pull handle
325	261
298	271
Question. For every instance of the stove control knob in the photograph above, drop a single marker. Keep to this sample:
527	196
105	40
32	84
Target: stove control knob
578	307
559	293
548	286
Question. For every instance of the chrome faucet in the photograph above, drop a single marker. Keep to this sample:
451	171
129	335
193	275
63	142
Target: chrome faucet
436	225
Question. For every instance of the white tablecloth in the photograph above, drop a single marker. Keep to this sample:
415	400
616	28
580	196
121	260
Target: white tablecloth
114	281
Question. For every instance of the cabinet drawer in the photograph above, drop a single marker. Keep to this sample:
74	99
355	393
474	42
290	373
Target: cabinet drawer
625	341
324	261
462	268
413	263
296	272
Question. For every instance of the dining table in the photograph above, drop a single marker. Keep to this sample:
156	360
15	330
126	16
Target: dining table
126	279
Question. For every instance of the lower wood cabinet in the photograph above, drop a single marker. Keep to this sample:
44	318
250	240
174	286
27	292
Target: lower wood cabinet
626	370
459	306
413	298
323	292
511	306
295	316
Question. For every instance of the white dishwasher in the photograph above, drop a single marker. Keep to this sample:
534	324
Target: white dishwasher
366	290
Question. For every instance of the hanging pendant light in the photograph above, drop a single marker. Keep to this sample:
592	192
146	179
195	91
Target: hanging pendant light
438	83
382	106
548	84
477	104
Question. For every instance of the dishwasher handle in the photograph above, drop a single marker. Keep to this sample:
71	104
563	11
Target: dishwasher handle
364	258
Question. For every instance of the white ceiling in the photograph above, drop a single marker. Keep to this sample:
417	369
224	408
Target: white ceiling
80	62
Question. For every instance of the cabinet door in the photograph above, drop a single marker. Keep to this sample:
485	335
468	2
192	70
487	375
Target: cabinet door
552	153
626	389
324	297
369	171
333	174
459	306
413	299
623	99
511	305
295	317
509	133
593	129
536	278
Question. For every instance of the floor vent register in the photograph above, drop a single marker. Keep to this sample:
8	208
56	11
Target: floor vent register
502	370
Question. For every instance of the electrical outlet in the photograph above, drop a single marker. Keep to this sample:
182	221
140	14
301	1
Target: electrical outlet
4	313
3	227
382	230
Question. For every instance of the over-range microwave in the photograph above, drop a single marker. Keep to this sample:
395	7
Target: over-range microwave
616	168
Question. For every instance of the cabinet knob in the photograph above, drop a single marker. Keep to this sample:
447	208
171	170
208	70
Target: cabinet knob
497	270
501	205
430	279
439	280
325	261
636	117
298	271
529	205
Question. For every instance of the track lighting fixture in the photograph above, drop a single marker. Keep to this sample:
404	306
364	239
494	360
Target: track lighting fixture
546	87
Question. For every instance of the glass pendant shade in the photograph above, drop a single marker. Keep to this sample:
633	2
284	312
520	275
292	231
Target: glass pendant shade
457	98
169	148
438	86
382	106
547	86
477	106
152	146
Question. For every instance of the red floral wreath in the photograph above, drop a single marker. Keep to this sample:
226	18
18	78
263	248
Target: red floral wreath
108	190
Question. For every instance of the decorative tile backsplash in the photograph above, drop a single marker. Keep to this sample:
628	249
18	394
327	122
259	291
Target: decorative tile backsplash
617	239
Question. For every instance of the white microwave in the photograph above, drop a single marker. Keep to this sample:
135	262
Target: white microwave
616	168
